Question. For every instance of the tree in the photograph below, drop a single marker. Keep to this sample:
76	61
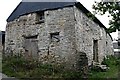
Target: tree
113	8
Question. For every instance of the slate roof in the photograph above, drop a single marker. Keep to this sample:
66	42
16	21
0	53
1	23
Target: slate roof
28	7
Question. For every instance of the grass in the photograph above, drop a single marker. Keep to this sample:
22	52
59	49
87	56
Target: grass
17	66
113	64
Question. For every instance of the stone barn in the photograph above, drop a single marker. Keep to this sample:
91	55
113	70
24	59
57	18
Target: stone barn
56	32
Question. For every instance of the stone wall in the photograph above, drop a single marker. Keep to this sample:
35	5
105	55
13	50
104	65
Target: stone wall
87	31
109	44
60	36
17	29
60	21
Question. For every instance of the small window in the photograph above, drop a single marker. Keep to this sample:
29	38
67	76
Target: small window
55	37
31	37
40	17
106	43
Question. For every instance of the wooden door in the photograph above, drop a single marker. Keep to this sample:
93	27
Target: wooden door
31	48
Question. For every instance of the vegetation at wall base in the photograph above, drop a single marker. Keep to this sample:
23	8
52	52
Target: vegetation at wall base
19	67
112	73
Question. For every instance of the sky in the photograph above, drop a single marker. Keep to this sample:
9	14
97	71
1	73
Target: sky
7	7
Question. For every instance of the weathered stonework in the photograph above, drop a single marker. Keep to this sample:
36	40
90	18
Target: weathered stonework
86	32
76	33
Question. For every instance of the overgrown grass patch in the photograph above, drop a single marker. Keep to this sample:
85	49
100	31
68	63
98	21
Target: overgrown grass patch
19	67
113	63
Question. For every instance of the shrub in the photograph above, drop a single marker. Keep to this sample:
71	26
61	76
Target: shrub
19	67
110	60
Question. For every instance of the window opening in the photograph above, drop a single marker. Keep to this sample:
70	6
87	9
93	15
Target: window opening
55	37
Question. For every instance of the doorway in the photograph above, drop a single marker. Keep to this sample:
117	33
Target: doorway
31	47
95	50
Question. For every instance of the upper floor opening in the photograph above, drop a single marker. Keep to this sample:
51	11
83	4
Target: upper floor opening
40	17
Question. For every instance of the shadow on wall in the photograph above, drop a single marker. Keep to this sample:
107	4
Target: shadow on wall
82	63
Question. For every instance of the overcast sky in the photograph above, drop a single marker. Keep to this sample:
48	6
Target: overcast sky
7	6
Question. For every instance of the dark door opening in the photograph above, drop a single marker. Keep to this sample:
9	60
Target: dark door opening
95	50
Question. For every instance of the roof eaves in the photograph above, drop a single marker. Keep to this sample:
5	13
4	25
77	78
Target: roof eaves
29	7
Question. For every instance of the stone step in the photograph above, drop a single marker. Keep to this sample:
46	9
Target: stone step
100	66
